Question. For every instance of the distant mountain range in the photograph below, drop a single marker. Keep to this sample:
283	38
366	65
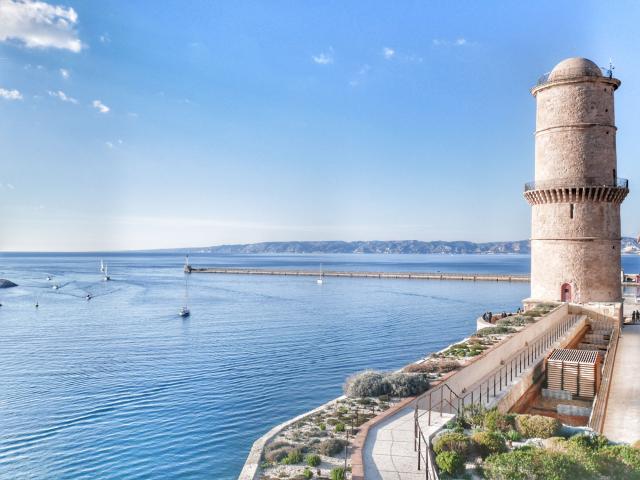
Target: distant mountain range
629	245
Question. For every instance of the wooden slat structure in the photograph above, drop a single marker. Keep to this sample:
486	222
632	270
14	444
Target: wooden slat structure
574	370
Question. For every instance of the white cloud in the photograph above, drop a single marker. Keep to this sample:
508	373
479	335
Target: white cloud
458	42
65	73
388	53
101	107
63	96
105	38
38	24
10	186
324	58
360	75
10	94
109	144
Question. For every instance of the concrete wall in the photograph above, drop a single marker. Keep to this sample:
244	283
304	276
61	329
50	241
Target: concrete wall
486	363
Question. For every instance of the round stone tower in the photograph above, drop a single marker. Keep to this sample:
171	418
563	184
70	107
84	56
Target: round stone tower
576	196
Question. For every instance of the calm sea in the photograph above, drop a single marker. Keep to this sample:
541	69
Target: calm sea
121	387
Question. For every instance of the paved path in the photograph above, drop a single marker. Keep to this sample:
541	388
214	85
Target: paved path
389	452
622	420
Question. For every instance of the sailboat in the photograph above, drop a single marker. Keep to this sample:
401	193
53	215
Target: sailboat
184	311
320	279
101	266
106	277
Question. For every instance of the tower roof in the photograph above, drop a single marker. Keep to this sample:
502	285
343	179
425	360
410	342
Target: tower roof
574	67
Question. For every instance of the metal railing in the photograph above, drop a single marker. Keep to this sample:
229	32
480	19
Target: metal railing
443	400
426	458
596	420
577	183
569	73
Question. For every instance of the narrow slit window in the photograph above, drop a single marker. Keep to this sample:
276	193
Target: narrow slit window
571	210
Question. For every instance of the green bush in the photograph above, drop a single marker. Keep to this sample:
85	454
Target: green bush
338	473
313	460
534	464
591	442
331	446
537	426
451	442
307	474
339	427
451	463
323	426
494	421
624	453
294	456
488	443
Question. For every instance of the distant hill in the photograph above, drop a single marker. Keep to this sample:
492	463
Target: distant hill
628	245
375	246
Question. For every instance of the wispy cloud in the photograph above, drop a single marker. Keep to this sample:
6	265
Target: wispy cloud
104	38
37	24
360	75
101	107
63	96
458	42
7	185
112	145
323	58
388	53
10	94
64	73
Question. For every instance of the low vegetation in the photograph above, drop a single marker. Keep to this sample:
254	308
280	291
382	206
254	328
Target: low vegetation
374	384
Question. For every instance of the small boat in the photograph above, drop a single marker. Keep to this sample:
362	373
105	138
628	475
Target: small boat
101	266
320	279
55	287
88	297
184	311
49	278
106	276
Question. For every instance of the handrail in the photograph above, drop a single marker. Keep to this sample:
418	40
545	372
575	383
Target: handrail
495	382
576	183
599	410
570	73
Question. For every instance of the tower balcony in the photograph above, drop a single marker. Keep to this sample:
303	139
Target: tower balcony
589	189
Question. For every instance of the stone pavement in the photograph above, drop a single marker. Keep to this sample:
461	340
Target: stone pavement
622	419
389	450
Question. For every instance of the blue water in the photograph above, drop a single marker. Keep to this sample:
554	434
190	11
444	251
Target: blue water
121	387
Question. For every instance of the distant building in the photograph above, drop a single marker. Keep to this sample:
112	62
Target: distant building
576	196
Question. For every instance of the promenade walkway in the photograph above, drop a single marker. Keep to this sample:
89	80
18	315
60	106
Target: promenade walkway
622	420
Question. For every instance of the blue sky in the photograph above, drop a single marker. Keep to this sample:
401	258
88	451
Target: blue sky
166	124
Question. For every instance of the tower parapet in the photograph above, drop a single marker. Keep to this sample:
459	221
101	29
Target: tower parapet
576	196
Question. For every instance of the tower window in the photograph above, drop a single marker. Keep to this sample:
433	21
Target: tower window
571	210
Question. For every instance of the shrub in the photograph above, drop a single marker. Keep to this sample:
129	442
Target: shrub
331	446
313	460
494	421
323	426
533	464
499	330
294	456
367	384
513	436
451	442
424	367
473	415
407	384
447	365
537	426
383	398
307	474
636	444
451	463
624	453
488	443
338	473
339	427
277	454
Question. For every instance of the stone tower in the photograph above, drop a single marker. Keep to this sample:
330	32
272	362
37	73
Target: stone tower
576	196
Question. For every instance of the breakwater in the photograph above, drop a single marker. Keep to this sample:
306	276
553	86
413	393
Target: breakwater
486	277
